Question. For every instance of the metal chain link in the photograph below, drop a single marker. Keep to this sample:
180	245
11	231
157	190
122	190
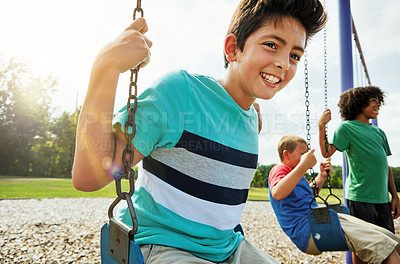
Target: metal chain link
129	132
138	9
308	125
328	177
307	102
326	87
325	71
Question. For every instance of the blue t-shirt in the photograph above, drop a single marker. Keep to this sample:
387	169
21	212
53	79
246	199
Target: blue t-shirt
292	211
201	155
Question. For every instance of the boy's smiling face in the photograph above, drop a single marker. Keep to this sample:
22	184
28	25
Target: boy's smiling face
372	110
269	58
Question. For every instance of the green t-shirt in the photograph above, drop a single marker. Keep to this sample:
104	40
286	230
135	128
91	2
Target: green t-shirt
366	149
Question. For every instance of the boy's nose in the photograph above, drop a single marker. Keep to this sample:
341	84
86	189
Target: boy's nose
282	63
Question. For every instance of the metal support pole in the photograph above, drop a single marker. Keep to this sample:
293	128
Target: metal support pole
346	63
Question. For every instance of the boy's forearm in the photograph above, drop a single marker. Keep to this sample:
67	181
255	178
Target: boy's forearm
94	139
391	185
324	142
322	138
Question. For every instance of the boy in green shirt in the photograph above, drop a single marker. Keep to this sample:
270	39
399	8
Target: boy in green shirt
369	178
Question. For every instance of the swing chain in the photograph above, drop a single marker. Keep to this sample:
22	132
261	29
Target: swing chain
308	125
326	88
130	126
328	177
138	9
307	103
129	133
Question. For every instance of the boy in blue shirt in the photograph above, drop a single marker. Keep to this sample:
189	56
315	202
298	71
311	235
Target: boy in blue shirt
197	136
290	196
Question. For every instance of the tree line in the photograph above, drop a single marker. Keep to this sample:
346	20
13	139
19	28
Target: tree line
261	176
34	142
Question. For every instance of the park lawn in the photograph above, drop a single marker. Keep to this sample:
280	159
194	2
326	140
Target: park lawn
39	188
258	194
262	194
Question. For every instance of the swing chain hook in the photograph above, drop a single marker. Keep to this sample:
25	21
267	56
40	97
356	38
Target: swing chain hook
138	9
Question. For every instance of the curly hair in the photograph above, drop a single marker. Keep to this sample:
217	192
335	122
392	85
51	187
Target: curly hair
353	101
251	15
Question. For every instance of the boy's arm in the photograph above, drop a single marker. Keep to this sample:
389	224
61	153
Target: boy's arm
395	197
323	140
286	185
94	140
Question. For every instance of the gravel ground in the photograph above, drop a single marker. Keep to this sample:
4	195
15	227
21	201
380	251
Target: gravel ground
68	231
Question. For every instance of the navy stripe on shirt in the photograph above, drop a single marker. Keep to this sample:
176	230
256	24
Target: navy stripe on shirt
214	150
194	187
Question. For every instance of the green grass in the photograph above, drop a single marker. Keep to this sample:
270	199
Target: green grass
262	194
256	194
39	188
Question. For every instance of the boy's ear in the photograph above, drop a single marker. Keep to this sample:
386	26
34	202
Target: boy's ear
285	154
230	47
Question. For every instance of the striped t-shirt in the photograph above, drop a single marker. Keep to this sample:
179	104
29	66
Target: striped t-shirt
201	155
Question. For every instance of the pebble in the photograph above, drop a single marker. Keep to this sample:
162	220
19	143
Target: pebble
67	230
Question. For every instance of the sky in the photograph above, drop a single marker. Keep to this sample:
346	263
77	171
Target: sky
62	38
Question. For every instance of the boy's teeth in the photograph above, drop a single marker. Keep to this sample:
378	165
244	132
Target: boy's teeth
270	78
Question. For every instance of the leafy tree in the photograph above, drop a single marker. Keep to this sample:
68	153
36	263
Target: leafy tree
64	129
336	177
54	154
24	115
257	180
261	176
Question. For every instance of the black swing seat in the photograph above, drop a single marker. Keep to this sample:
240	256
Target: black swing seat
326	229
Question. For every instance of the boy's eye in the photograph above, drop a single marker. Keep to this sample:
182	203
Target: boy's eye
271	45
295	57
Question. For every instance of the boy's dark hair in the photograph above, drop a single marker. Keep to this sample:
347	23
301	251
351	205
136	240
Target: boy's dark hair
289	143
353	101
251	15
